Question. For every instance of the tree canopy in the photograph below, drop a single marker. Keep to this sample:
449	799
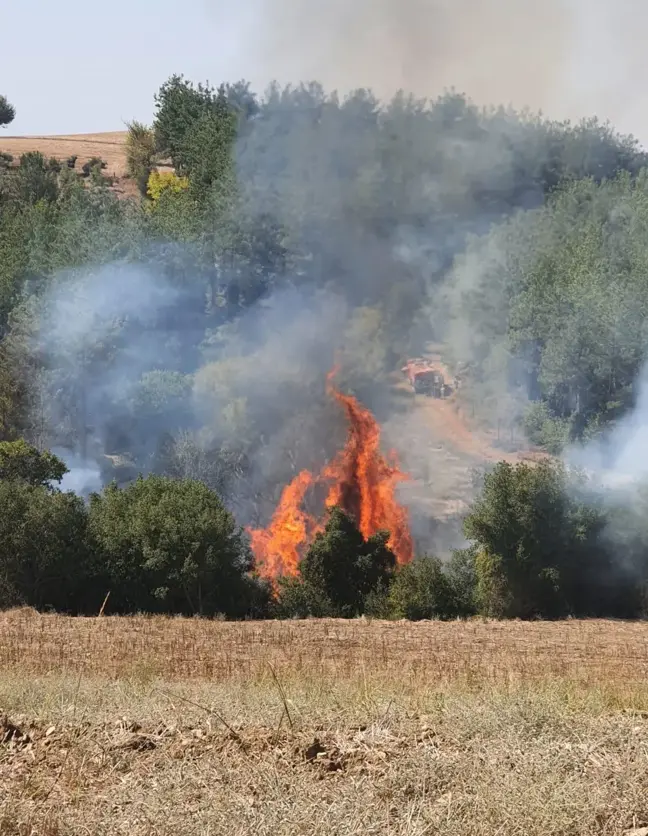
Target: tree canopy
7	112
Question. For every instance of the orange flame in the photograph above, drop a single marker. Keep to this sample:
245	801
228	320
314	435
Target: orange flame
361	481
364	482
276	548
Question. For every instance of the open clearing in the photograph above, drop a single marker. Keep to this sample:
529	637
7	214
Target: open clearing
172	726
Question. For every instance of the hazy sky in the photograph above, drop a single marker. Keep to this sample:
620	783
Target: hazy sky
68	67
73	66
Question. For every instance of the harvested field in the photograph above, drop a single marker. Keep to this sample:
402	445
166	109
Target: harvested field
593	652
109	146
172	726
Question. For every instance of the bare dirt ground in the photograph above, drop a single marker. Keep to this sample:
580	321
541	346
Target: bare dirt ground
170	726
109	146
441	448
448	421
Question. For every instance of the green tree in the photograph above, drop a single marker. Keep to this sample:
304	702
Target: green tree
538	547
179	105
171	546
556	309
140	154
44	557
7	112
206	154
340	570
22	462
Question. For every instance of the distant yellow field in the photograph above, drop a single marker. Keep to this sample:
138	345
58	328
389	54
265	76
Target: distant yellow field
109	146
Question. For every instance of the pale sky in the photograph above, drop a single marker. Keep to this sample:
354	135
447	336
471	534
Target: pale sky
77	67
73	66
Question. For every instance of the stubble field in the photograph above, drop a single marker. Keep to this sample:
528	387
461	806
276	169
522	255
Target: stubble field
171	726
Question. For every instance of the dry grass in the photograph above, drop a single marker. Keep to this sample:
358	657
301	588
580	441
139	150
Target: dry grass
109	146
169	726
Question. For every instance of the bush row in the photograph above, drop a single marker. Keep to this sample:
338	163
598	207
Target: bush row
541	546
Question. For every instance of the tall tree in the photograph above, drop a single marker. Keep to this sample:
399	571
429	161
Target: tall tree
539	549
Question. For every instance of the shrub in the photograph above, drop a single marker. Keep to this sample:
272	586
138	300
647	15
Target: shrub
421	590
339	572
171	546
34	180
160	182
296	599
94	165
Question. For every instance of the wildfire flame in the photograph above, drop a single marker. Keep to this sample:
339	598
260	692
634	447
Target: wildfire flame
361	481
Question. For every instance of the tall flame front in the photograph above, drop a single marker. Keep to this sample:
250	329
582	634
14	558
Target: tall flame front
361	481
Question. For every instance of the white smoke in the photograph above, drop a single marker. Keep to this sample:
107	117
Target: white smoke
83	477
618	460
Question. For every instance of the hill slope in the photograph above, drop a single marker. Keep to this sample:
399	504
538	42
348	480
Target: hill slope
110	146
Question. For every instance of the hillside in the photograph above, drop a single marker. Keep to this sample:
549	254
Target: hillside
110	146
441	448
238	338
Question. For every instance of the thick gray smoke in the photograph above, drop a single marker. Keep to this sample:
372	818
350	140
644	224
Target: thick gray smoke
100	330
568	58
615	467
83	476
125	371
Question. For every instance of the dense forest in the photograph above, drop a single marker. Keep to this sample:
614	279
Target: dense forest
163	359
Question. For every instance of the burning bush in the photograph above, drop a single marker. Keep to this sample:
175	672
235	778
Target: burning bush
339	572
360	481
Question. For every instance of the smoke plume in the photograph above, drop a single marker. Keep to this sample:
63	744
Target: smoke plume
618	460
568	58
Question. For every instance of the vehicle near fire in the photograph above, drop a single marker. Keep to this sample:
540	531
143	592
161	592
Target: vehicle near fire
426	379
